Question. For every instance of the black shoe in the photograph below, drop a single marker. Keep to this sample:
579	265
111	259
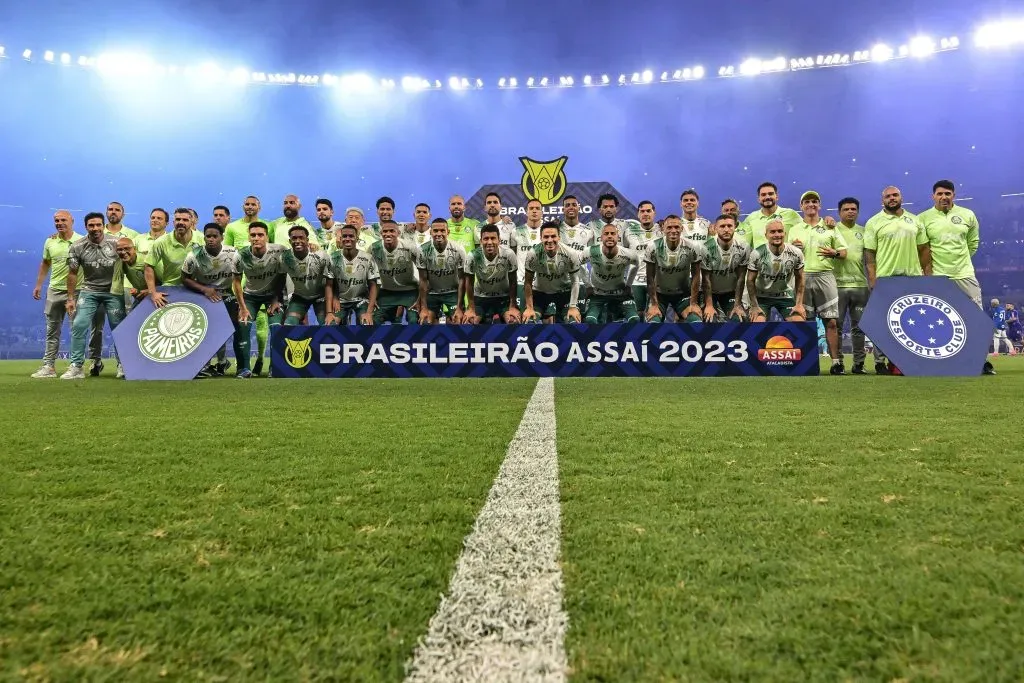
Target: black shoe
987	369
837	369
96	369
222	368
257	368
858	369
205	373
881	369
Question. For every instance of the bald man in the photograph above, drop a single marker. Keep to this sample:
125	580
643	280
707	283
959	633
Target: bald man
291	206
461	230
55	262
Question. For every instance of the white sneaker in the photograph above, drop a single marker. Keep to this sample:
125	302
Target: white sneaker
45	372
74	372
120	372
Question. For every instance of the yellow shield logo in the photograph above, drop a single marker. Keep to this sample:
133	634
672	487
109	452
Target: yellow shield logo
544	180
297	353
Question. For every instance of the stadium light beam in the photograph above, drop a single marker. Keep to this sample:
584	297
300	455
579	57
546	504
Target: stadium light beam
27	54
454	83
922	46
881	53
65	58
587	80
1000	34
48	56
647	76
513	82
698	72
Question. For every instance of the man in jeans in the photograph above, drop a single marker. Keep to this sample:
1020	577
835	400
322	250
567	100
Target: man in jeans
55	262
95	257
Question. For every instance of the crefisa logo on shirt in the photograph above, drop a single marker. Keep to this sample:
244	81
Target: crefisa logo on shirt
927	326
172	332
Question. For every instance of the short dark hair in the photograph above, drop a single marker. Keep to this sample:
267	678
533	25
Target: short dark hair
531	201
727	217
222	208
118	203
645	201
669	217
183	209
391	222
321	200
167	216
386	200
437	220
730	200
564	200
850	200
349	226
192	212
423	204
252	196
607	196
94	214
492	194
303	228
555	225
689	191
213	226
259	224
490	228
767	183
944	185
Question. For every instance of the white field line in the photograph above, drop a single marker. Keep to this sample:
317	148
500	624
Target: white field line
502	619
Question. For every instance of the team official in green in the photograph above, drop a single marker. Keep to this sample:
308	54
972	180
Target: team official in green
775	277
55	262
725	268
308	271
851	278
551	285
674	276
279	229
612	268
132	271
399	285
441	265
491	274
168	253
353	281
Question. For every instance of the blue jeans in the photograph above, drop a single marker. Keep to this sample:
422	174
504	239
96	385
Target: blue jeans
88	304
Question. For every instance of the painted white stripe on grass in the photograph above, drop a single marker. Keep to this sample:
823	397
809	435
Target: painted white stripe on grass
502	619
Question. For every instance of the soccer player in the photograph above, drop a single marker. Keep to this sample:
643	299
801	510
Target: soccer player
821	246
55	262
851	278
726	270
222	216
308	271
279	229
1013	327
236	235
695	227
611	272
96	257
552	284
114	227
395	259
442	266
998	315
731	207
491	277
263	272
775	277
607	209
385	212
325	215
168	253
895	244
215	272
506	229
674	275
637	237
572	233
527	237
353	281
419	231
461	229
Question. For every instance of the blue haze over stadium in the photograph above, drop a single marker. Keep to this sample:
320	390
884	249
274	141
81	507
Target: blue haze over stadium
73	137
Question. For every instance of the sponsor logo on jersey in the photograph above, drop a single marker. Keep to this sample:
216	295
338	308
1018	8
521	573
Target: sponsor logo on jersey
927	326
779	351
172	332
298	352
544	180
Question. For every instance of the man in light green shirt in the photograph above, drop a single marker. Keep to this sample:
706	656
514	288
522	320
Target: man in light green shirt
169	252
851	278
55	262
236	233
752	229
114	226
291	219
158	219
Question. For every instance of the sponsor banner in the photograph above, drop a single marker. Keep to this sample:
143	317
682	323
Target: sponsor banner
613	350
547	182
173	342
927	326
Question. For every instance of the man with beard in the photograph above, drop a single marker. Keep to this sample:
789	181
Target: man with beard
222	217
552	284
674	275
851	279
895	244
442	265
96	257
608	209
731	207
236	235
353	281
168	253
527	237
385	213
695	227
55	262
726	270
328	226
114	227
775	277
753	229
395	259
506	229
280	228
491	276
461	229
610	274
308	272
637	237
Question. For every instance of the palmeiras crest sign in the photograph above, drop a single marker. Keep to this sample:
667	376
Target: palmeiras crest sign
547	182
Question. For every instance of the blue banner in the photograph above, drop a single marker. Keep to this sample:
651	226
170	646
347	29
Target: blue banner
613	350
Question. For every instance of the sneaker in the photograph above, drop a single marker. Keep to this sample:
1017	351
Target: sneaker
987	369
881	369
221	369
858	369
243	374
204	373
893	370
257	368
120	372
837	369
45	372
96	368
74	372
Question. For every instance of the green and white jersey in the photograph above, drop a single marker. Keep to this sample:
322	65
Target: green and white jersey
490	277
850	270
264	275
597	227
697	229
93	264
674	265
954	239
352	277
638	238
608	274
895	240
814	237
280	227
236	234
553	274
418	238
752	229
463	233
375	227
213	271
579	237
726	265
366	239
167	254
55	252
776	273
526	239
308	275
397	268
506	234
444	267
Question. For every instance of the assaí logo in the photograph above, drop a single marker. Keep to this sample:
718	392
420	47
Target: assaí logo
779	351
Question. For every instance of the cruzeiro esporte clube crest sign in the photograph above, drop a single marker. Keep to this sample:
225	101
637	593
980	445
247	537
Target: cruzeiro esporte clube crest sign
172	332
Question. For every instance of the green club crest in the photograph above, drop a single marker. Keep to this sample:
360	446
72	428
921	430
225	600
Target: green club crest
172	332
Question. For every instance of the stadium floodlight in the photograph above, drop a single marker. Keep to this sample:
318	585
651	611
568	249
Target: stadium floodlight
513	82
922	46
501	82
881	53
664	75
722	70
587	80
686	73
27	54
820	60
777	64
677	75
530	81
647	76
751	67
465	82
329	80
844	59
544	82
828	60
570	81
1000	34
454	83
358	82
605	79
698	72
954	42
415	83
904	50
3	50
239	75
65	58
622	79
48	56
479	83
635	78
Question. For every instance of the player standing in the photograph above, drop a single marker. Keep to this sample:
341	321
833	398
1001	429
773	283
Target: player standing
726	270
506	229
263	272
353	281
998	315
607	209
419	231
279	229
851	278
753	229
236	235
611	272
442	265
55	262
552	283
461	229
527	237
399	286
775	277
491	277
695	227
674	275
636	237
308	271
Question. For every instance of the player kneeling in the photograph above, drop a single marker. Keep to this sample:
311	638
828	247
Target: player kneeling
674	275
491	276
610	266
352	282
775	277
551	285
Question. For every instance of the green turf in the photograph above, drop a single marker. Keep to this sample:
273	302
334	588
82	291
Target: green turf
219	530
815	529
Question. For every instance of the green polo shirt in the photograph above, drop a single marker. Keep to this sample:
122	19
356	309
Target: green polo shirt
125	231
236	233
752	229
850	270
895	240
954	239
814	237
167	255
55	252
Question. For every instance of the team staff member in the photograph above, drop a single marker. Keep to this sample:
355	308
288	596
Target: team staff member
754	227
55	262
851	278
